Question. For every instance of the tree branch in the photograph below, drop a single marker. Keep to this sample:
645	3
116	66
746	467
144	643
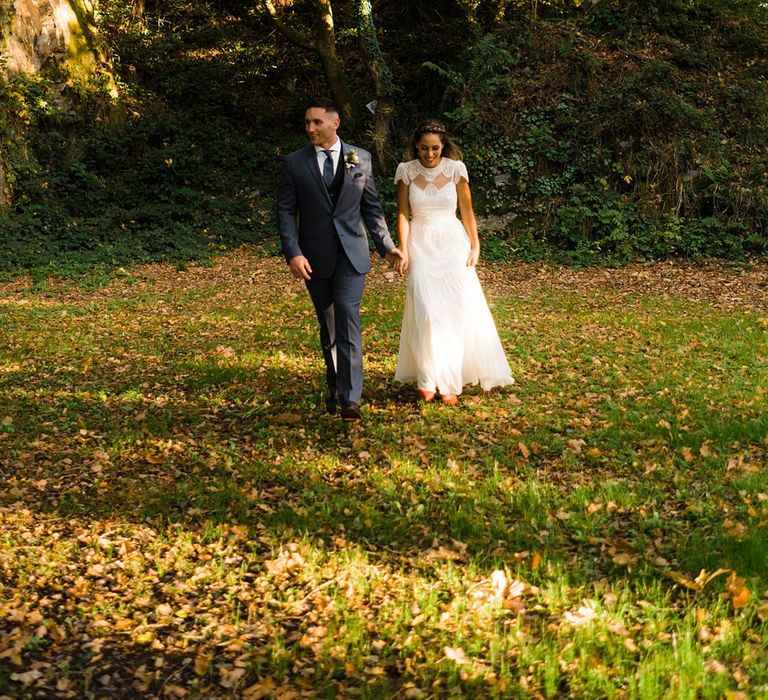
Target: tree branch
290	34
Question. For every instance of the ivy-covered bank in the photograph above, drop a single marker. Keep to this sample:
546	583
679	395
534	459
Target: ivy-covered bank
607	132
623	136
56	84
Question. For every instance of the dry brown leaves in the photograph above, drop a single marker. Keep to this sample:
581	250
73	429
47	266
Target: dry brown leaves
718	283
141	609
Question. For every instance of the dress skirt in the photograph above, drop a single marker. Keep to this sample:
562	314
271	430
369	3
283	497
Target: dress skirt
448	338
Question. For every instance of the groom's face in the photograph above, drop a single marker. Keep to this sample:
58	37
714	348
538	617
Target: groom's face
321	126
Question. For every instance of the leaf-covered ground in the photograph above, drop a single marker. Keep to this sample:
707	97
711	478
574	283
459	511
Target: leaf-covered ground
180	519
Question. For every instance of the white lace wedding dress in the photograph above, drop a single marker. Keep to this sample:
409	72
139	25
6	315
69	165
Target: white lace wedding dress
448	338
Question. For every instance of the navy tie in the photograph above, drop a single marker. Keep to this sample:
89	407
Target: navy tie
328	168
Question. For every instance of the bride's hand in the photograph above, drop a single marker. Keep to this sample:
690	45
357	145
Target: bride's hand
402	264
474	256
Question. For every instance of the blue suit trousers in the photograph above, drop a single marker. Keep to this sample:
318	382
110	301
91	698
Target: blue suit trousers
337	305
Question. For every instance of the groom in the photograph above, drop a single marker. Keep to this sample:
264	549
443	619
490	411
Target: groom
325	202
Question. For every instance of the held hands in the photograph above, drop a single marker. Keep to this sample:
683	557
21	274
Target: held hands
300	267
398	260
474	256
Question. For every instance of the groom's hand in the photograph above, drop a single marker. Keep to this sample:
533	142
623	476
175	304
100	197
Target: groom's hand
300	267
394	257
398	260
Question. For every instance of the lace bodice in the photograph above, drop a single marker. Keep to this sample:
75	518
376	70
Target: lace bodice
432	191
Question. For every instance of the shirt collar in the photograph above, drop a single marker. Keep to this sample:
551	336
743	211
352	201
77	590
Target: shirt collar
336	147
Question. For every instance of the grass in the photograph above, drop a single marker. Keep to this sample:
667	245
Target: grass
181	519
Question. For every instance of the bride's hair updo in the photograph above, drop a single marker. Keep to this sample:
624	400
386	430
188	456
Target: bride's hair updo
431	126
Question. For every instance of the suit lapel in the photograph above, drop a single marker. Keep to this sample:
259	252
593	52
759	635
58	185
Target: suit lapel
346	177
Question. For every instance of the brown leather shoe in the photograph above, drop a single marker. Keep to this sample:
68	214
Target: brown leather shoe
350	410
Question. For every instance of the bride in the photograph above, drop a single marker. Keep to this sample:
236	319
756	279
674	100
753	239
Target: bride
448	338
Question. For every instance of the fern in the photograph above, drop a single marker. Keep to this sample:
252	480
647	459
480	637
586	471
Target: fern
485	68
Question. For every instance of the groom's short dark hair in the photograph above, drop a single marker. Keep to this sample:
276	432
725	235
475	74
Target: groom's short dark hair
323	102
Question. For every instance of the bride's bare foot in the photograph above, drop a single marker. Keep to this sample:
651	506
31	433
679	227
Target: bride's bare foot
450	399
426	395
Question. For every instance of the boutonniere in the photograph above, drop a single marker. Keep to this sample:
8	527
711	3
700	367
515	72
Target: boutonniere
351	159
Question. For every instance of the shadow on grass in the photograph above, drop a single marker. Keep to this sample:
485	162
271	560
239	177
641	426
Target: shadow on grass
208	446
232	445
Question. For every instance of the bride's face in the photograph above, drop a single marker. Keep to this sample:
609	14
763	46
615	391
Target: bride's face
430	150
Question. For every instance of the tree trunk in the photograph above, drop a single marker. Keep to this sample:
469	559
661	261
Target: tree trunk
54	36
5	186
57	40
383	85
324	45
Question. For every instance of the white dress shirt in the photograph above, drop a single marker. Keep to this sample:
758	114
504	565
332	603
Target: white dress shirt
335	154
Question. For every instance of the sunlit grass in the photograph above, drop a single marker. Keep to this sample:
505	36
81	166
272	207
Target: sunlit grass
174	489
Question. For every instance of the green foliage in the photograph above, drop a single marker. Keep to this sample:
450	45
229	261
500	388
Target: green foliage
484	72
607	130
179	179
645	149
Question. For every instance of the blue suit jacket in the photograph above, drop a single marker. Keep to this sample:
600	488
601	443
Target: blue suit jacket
309	223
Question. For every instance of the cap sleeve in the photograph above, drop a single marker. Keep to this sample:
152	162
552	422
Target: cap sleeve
401	174
459	171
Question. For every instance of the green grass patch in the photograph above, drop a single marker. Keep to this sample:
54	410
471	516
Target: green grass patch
181	516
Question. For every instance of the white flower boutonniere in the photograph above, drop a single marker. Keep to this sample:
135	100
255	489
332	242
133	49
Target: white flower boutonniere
351	159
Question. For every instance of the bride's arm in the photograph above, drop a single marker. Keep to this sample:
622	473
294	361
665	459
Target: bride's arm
403	224
469	221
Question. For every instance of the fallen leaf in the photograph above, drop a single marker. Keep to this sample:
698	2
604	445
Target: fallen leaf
230	676
581	617
735	530
624	559
699	582
441	553
259	690
457	655
27	677
145	637
288	419
714	666
203	663
739	592
629	645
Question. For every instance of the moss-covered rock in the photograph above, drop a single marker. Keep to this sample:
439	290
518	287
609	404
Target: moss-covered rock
53	43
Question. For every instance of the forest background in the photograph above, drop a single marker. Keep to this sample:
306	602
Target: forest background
179	516
597	131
